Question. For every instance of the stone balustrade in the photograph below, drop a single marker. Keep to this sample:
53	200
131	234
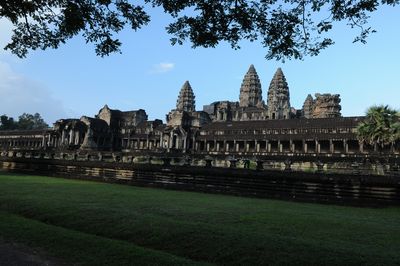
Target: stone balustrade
355	164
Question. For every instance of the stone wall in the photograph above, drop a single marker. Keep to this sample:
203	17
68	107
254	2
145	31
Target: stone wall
318	187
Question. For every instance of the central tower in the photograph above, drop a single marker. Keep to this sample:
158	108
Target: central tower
250	91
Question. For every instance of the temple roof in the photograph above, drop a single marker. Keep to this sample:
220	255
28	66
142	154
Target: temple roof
278	82
285	129
309	98
250	90
186	99
278	95
335	122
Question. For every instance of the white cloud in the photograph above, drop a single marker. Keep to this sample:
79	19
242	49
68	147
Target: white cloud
19	94
162	68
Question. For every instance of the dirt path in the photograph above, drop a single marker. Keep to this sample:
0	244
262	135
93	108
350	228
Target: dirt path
12	254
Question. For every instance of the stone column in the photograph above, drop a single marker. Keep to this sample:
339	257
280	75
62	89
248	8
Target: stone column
346	146
185	143
77	137
207	146
268	145
317	147
193	141
44	142
257	146
71	137
280	146
246	146
170	140
237	147
217	146
331	146
305	148
361	146
161	141
63	138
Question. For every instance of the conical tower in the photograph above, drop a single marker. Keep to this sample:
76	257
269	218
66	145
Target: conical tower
186	100
278	104
250	91
308	106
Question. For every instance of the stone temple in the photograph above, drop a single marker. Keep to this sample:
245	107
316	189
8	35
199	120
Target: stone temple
248	128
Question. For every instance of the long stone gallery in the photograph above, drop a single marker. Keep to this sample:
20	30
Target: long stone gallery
246	127
248	136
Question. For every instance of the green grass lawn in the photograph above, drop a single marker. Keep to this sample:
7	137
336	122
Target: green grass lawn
92	223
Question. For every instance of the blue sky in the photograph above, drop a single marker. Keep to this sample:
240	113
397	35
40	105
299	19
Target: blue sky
72	81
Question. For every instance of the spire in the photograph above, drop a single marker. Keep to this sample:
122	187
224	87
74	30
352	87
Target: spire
308	106
186	100
278	82
250	91
309	98
278	97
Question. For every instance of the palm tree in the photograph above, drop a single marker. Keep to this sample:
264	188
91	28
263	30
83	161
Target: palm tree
381	126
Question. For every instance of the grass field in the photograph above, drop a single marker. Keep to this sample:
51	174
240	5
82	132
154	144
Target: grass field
92	223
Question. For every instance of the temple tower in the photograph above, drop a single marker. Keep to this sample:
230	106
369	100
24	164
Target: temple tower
250	91
326	105
308	107
186	98
278	105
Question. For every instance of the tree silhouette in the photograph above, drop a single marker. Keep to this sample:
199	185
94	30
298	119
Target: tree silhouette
286	28
29	121
25	122
7	123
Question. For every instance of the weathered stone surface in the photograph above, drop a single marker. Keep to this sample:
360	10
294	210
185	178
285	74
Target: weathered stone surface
278	104
326	105
250	106
308	107
250	91
116	118
185	114
186	99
